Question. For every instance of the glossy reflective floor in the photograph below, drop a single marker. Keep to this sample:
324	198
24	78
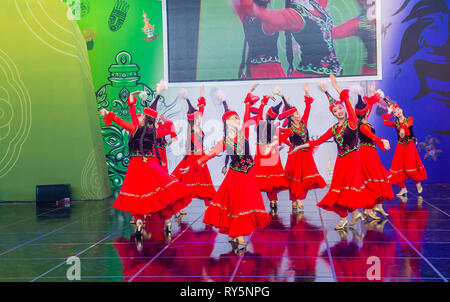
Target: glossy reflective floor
413	244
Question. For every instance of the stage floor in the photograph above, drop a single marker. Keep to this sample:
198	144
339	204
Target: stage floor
413	244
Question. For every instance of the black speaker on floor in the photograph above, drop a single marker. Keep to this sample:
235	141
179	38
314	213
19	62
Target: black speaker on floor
52	193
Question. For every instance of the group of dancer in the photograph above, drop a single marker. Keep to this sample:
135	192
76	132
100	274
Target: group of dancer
237	209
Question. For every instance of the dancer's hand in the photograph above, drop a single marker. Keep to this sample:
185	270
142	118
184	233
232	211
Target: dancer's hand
184	170
253	87
202	91
294	150
224	170
172	139
304	146
390	109
372	88
386	144
103	112
402	133
334	83
266	150
306	89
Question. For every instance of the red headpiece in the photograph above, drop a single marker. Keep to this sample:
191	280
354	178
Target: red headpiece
333	102
151	111
288	111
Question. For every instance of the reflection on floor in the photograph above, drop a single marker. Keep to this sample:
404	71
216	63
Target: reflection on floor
413	244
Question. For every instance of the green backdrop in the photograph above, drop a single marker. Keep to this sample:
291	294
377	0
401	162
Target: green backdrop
123	59
49	131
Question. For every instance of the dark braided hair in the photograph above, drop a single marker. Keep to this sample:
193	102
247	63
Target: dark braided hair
149	125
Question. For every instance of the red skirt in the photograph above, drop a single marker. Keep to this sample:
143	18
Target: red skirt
302	174
347	190
269	171
267	71
199	180
406	164
148	189
238	209
376	177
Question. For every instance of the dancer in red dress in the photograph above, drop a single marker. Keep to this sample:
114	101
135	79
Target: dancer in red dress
301	170
268	168
198	180
147	187
237	209
406	163
347	191
376	177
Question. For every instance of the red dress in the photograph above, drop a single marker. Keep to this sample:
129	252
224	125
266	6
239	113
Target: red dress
301	170
406	163
376	177
347	190
147	188
268	168
199	180
237	209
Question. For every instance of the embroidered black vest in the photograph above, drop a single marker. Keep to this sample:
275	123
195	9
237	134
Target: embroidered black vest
316	41
364	140
148	143
346	139
241	160
262	47
265	132
301	135
407	138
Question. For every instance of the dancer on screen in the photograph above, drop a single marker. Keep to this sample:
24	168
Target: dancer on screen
364	28
261	60
308	22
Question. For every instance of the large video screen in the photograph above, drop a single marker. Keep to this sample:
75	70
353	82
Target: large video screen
239	40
